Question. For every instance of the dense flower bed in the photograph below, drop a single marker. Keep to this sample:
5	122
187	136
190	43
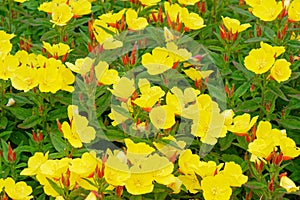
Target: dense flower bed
149	99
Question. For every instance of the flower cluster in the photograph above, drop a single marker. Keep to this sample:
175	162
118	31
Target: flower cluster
262	60
14	190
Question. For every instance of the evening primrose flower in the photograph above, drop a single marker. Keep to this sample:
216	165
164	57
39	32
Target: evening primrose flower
24	78
149	95
5	45
288	184
234	173
254	3
197	75
116	172
170	147
275	50
178	54
81	66
61	14
294	11
191	183
8	66
162	117
192	20
149	2
17	191
188	162
281	70
124	88
112	18
234	25
118	117
188	2
137	152
57	50
288	148
34	163
173	11
268	10
242	124
100	33
158	62
85	165
134	22
104	75
139	182
259	61
216	187
80	7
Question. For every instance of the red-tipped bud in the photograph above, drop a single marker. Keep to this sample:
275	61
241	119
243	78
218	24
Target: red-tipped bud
58	125
63	59
11	155
160	15
203	7
271	185
119	190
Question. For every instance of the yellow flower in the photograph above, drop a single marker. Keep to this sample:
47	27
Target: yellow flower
268	10
57	50
275	50
158	62
82	65
242	124
139	182
259	61
8	66
209	168
68	79
78	131
170	147
134	22
149	2
61	14
80	7
150	95
288	184
288	148
188	2
228	114
119	118
91	196
104	75
190	182
192	20
20	1
137	153
208	122
85	165
197	75
49	76
294	11
254	3
281	70
178	55
176	185
234	173
216	187
116	172
101	34
5	45
112	18
162	117
173	11
188	162
124	88
261	148
24	78
234	25
17	191
34	164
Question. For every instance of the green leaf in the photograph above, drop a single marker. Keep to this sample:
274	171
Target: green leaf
55	186
57	141
294	44
30	122
242	143
255	185
290	123
277	91
256	39
248	106
225	142
240	91
3	122
232	157
20	113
